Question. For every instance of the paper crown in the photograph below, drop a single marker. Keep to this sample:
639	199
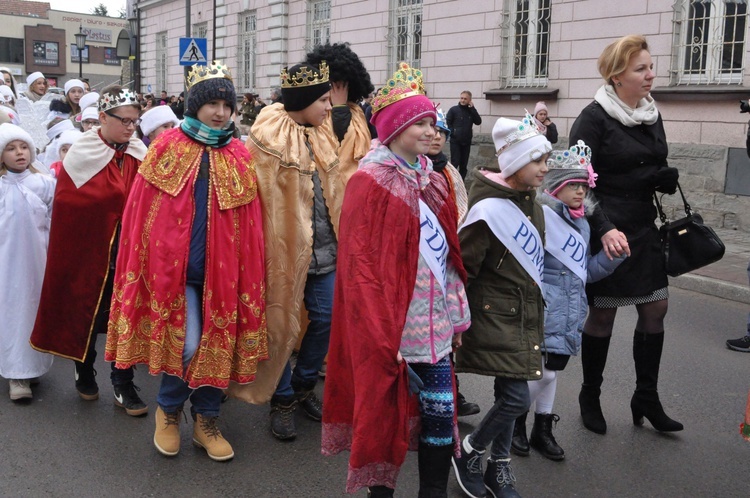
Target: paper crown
405	82
305	76
526	129
198	73
108	101
576	157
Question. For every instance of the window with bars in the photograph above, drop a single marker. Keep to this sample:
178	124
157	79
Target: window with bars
527	43
200	30
318	23
246	53
405	34
161	61
709	42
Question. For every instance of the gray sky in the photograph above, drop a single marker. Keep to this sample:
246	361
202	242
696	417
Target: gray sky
86	6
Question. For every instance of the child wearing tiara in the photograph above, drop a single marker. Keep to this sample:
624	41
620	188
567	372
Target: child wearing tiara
25	208
400	305
503	251
568	266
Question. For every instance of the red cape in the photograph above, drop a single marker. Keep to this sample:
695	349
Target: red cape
83	227
367	407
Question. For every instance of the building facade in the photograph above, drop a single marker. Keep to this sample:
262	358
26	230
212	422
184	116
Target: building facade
36	38
508	53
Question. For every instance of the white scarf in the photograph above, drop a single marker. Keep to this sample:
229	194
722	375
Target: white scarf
565	243
514	230
433	246
89	155
645	113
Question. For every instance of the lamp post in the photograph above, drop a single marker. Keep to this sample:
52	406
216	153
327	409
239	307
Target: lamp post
81	45
134	46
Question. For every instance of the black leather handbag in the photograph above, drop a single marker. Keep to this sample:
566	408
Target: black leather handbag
687	244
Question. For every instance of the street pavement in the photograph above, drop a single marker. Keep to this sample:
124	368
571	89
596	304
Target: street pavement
61	446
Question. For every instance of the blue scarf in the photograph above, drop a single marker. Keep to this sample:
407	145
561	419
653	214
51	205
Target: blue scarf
204	134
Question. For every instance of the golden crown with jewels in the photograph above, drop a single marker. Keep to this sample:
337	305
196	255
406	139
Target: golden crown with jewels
198	73
405	82
305	76
109	101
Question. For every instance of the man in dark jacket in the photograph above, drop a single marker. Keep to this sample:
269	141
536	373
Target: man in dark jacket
460	120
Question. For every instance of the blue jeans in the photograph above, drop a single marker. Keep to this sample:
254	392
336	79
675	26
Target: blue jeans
312	352
174	391
511	401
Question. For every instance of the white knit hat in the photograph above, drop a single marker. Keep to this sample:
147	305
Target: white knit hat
68	137
156	117
517	143
6	94
89	113
60	127
33	77
70	84
88	100
10	132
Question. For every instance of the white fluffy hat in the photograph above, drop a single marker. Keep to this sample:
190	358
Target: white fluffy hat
156	117
6	94
517	143
73	84
68	137
89	113
10	132
88	100
60	127
33	77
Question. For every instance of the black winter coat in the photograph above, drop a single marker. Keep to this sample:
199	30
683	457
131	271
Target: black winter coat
460	120
626	159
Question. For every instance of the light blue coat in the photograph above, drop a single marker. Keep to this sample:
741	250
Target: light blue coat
564	291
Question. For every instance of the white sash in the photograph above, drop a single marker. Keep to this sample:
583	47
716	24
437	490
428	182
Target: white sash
433	246
514	230
565	243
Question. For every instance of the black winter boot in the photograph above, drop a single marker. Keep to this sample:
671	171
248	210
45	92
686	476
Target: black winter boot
379	492
282	418
499	479
593	359
434	468
542	439
519	445
647	349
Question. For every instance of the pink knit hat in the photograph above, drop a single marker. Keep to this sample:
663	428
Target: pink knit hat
540	106
400	104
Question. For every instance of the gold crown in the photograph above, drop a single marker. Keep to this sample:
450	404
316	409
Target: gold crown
305	76
198	73
406	82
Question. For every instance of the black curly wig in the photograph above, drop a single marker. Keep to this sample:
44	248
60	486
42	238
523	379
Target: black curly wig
345	66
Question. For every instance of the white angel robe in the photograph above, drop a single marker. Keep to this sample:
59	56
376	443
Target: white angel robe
25	212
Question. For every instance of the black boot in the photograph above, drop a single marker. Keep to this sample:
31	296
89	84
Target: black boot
465	408
379	492
593	359
519	445
542	439
282	418
434	468
647	350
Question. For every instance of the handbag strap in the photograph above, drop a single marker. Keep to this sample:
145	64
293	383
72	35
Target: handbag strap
662	216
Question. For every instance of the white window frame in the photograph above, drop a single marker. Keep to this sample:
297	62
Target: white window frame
246	51
200	30
699	47
405	33
526	37
161	61
318	23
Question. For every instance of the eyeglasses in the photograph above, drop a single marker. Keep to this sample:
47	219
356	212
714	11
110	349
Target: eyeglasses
125	121
576	186
91	122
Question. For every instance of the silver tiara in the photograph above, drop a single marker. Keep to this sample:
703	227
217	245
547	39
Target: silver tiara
109	101
576	157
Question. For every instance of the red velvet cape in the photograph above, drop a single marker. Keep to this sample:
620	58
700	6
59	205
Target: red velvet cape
83	227
367	407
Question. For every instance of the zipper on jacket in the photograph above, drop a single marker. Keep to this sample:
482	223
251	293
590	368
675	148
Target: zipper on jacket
502	259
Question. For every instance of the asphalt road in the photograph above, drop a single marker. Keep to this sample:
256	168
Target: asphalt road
61	446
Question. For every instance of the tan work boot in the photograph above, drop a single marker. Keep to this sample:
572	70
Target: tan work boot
206	434
167	434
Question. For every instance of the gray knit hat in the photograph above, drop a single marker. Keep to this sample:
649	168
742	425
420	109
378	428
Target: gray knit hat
569	165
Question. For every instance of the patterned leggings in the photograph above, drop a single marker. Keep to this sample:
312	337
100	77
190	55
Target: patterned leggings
436	403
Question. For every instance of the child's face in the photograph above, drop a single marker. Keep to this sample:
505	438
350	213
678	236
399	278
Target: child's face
573	194
16	156
215	114
75	94
530	176
161	129
317	112
64	151
414	140
436	146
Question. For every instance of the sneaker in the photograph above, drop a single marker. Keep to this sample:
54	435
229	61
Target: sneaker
126	396
499	479
206	435
465	408
468	469
167	433
20	389
282	420
311	404
86	383
742	344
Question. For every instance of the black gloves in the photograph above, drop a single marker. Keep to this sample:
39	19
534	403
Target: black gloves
665	180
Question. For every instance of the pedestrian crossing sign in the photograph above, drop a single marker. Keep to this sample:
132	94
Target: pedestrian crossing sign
193	51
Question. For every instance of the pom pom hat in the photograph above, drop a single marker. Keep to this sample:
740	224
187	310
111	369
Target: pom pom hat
400	104
517	143
10	132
